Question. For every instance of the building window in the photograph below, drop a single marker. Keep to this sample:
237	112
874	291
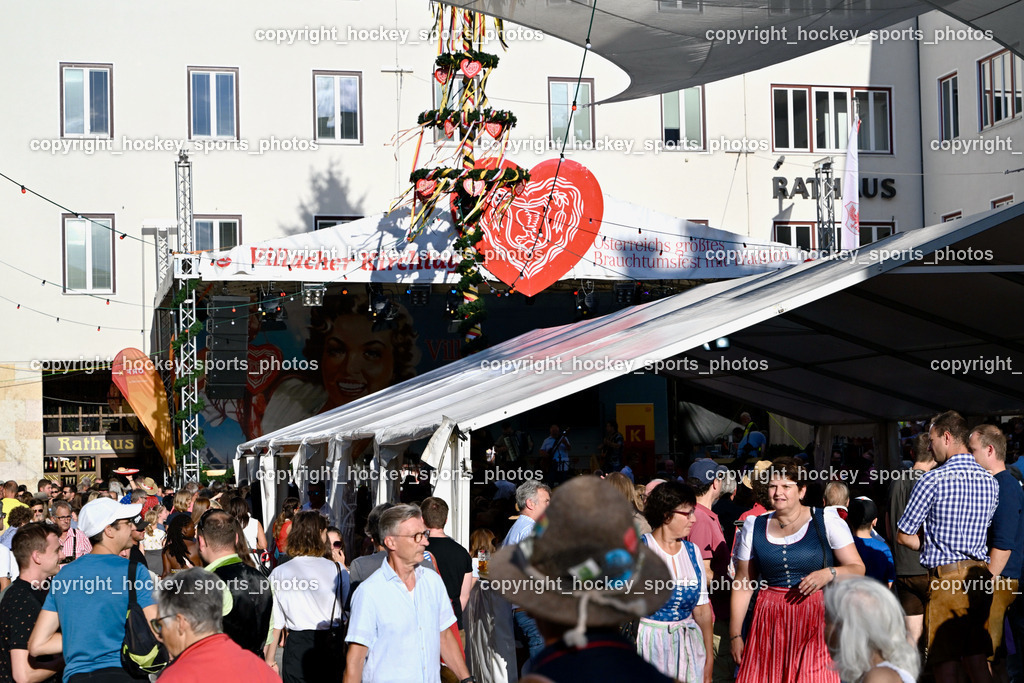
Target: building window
87	99
339	95
875	121
215	233
681	6
213	103
560	97
831	119
1002	201
832	114
955	216
999	87
800	235
949	107
682	119
790	119
89	253
872	232
323	222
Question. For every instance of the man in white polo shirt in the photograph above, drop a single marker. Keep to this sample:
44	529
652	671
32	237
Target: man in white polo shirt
401	617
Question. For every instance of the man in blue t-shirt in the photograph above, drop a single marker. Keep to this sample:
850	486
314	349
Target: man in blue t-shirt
1005	535
88	599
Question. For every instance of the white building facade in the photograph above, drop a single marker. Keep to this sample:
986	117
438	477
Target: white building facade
289	117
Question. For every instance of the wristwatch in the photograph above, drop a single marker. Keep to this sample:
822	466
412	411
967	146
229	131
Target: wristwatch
833	570
471	679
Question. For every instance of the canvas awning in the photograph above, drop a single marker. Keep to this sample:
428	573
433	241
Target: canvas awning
870	337
666	45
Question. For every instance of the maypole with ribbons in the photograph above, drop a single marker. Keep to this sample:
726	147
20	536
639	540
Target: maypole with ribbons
478	181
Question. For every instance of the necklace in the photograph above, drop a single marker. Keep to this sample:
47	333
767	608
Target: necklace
783	526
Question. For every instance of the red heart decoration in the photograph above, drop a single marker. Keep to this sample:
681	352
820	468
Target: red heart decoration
449	128
474	187
441	76
470	68
259	377
494	129
514	253
425	187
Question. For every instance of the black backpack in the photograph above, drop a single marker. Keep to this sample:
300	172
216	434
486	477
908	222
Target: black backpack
141	653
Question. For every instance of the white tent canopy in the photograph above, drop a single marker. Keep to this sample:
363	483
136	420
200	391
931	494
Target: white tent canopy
877	336
903	297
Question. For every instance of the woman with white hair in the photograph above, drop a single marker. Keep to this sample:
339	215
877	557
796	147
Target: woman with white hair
866	633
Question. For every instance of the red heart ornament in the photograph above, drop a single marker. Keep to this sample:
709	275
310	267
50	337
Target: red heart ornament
470	68
425	187
514	252
262	357
449	128
441	76
474	187
494	129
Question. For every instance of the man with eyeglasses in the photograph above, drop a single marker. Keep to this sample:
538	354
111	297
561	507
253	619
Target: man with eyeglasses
190	626
73	543
84	614
401	615
248	602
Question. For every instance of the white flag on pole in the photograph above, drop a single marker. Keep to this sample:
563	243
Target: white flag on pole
850	231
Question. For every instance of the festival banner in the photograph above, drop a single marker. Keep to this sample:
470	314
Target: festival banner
136	377
594	237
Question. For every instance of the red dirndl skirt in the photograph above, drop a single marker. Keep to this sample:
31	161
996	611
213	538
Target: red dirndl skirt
786	643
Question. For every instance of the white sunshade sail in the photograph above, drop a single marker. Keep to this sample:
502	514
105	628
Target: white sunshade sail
665	45
844	341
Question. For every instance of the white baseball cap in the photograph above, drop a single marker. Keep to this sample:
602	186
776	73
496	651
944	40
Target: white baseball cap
98	514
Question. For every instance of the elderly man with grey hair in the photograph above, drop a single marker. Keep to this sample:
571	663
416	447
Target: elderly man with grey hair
532	497
401	616
190	624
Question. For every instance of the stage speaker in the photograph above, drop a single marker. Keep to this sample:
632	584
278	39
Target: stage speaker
227	345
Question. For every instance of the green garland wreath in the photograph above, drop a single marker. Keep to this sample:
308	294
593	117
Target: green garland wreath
453	60
438	117
505	175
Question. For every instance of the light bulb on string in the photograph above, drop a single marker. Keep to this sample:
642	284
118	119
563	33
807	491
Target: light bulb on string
23	190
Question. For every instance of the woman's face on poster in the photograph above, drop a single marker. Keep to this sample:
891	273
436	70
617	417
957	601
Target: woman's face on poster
357	361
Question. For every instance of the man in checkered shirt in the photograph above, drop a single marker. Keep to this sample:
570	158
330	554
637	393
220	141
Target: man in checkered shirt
954	502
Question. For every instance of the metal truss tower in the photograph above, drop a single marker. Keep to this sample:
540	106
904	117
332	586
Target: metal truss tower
826	186
186	269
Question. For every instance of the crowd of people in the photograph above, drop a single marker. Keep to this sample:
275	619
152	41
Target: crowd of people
757	576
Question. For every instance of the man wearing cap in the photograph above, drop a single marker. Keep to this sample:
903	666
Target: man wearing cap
84	614
582	575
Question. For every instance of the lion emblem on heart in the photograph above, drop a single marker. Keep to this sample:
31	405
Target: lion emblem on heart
546	229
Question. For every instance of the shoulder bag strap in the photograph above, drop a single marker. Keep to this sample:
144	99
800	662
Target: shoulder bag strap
822	538
334	605
133	570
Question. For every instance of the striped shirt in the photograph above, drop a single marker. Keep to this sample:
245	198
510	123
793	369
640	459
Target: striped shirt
955	502
75	545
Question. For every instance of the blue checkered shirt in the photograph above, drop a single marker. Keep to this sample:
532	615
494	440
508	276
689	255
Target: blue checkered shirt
955	502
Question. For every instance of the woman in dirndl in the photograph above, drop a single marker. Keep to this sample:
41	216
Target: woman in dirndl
678	637
791	554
